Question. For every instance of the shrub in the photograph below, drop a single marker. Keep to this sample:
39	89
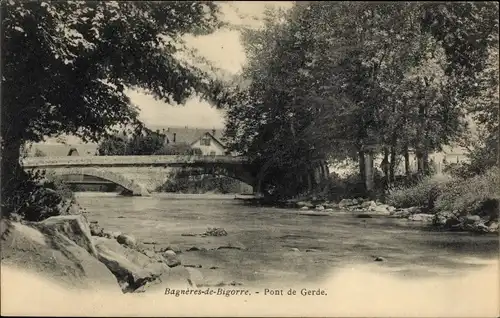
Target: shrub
178	149
422	194
189	181
37	196
477	195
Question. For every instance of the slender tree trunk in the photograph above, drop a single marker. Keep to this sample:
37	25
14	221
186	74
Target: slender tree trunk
369	182
362	168
309	182
385	165
498	137
392	165
407	161
420	160
425	160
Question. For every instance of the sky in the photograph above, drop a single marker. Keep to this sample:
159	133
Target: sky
225	50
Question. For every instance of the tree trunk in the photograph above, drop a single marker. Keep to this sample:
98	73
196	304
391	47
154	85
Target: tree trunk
369	182
407	161
420	161
392	165
425	161
362	165
498	137
309	182
10	171
385	165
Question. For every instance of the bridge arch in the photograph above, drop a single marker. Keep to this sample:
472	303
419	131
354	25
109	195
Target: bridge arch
105	174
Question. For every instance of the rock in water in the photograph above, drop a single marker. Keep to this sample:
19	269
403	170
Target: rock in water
171	258
132	268
421	217
174	278
96	230
320	208
379	259
57	255
127	240
195	276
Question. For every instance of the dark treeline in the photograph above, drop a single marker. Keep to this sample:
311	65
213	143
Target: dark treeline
338	80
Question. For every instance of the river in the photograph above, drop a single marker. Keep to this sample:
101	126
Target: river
283	246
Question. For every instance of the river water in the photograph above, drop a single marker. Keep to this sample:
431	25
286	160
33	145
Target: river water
281	245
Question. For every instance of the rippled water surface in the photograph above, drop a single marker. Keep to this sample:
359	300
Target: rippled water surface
272	236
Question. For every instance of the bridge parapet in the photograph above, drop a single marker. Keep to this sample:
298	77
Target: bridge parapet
40	162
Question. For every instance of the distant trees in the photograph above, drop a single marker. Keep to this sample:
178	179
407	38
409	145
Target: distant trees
145	143
343	80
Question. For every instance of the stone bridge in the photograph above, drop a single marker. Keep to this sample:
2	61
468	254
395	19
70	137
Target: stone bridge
140	175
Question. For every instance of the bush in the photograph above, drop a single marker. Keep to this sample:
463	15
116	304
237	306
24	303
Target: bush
178	149
37	196
190	182
423	193
351	185
477	195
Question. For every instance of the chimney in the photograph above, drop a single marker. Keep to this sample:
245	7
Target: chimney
213	132
168	129
174	137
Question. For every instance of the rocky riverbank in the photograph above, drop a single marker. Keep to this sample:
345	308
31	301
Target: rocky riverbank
81	255
366	208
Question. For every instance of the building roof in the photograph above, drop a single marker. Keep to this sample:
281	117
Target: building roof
186	134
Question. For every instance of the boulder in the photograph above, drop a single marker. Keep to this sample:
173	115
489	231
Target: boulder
170	258
195	276
132	268
471	219
346	202
402	213
421	217
380	209
232	245
127	240
56	256
301	204
320	207
413	210
477	227
73	227
368	204
446	219
109	234
96	230
304	208
493	227
331	205
174	278
174	248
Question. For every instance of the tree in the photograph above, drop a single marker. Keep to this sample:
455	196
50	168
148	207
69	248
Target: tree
355	79
178	149
65	66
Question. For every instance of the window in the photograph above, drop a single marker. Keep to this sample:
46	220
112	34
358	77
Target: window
205	141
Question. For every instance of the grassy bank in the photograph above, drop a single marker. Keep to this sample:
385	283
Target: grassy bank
462	203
